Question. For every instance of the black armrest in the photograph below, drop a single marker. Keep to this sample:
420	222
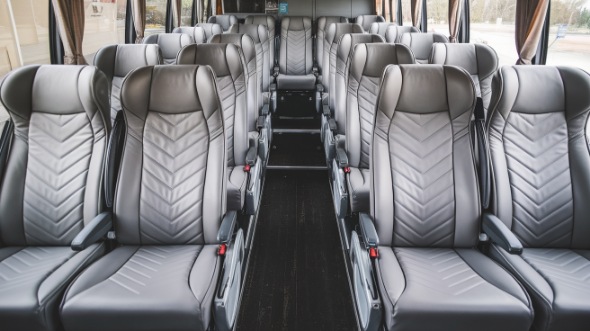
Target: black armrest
332	124
261	122
228	224
251	155
500	234
93	231
368	231
341	157
265	110
326	111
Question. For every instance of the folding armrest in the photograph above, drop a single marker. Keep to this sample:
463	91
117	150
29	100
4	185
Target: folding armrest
93	231
341	156
500	234
368	231
228	224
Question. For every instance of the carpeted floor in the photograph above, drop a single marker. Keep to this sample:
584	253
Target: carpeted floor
297	149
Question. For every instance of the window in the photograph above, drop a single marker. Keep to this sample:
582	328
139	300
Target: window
388	14
155	17
104	25
492	23
186	12
406	12
569	33
438	14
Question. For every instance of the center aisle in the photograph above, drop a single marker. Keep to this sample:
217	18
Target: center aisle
297	276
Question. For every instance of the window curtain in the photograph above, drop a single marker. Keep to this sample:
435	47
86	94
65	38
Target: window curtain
70	18
530	17
455	10
138	13
416	7
177	12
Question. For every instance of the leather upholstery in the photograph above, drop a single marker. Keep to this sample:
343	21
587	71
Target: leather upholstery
541	185
170	44
116	61
380	28
322	24
230	72
367	63
365	21
174	160
197	33
296	54
51	188
225	21
394	33
270	23
425	204
421	44
210	29
479	60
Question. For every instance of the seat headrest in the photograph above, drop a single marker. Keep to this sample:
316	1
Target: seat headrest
349	40
170	43
258	32
241	40
224	59
477	59
393	33
197	33
324	22
119	60
421	43
295	23
371	59
210	29
336	30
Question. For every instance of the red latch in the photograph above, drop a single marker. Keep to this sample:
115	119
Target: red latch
373	253
222	250
247	168
346	170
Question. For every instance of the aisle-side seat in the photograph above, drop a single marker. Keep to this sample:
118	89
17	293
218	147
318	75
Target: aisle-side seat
170	215
170	44
541	188
365	21
322	24
225	21
270	23
294	70
421	44
197	33
210	29
51	194
394	33
243	162
380	28
424	224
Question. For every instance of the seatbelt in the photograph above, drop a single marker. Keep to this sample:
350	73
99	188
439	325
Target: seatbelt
483	157
5	145
114	154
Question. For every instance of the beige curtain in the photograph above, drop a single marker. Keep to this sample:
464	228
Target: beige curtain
138	12
416	7
530	17
455	10
70	18
177	12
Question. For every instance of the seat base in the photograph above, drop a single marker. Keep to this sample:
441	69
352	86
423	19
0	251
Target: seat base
296	82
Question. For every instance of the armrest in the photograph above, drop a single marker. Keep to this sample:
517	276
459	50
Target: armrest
500	234
251	155
368	231
228	224
93	231
319	88
275	71
261	122
332	124
326	111
341	157
264	111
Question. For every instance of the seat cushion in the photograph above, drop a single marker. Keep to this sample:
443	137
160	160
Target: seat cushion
558	281
455	289
359	188
237	180
144	288
33	280
296	83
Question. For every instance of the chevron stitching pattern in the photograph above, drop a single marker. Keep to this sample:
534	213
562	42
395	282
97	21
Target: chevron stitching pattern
421	147
296	52
229	92
116	97
60	147
28	267
441	271
155	265
538	167
563	268
174	166
367	102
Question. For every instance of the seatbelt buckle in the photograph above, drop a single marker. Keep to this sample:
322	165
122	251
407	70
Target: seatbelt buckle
222	250
346	169
373	253
247	168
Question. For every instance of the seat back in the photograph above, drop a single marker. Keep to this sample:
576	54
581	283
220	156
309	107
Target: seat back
345	47
539	154
424	189
52	178
365	21
172	182
322	24
333	34
270	23
170	44
421	44
367	63
210	29
254	91
197	33
295	52
229	68
225	21
380	28
480	61
393	33
259	34
116	61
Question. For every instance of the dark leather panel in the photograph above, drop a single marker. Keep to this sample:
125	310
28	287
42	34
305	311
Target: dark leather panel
225	21
421	44
170	44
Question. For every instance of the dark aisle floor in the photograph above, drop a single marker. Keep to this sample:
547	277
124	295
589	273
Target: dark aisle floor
297	277
297	149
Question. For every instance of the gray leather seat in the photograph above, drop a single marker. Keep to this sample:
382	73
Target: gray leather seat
380	28
197	33
170	44
365	21
210	29
480	61
366	68
394	33
421	44
295	62
116	61
225	21
541	188
426	210
322	24
169	205
230	73
270	23
51	189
